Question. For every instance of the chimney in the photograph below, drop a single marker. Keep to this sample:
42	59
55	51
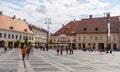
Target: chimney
74	20
108	15
24	20
14	17
0	12
119	18
90	16
62	25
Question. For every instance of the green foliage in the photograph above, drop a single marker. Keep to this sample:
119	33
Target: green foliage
26	41
18	43
50	42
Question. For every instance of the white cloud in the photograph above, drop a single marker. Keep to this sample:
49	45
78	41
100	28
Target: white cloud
60	11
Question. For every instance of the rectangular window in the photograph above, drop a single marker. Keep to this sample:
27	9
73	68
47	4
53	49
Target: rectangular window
101	37
0	35
114	37
84	37
91	37
9	36
4	35
12	36
79	38
23	37
16	36
20	37
29	38
96	38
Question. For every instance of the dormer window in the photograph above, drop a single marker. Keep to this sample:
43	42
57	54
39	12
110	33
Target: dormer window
25	30
24	20
96	29
85	29
14	17
11	27
58	40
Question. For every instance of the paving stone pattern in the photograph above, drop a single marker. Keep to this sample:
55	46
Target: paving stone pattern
10	63
86	61
48	61
39	65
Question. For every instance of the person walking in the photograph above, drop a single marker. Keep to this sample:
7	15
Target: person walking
28	51
67	49
57	50
5	48
71	51
23	51
61	50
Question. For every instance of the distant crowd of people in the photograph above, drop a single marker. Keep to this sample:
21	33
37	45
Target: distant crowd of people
42	48
9	48
26	50
61	49
90	49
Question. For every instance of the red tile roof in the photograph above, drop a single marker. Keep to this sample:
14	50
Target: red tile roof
89	25
68	29
100	23
18	25
39	29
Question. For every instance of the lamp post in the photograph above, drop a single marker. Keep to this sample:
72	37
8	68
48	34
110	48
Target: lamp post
75	38
67	39
108	30
119	34
48	22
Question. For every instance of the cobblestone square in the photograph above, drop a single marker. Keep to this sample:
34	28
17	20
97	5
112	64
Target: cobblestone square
48	61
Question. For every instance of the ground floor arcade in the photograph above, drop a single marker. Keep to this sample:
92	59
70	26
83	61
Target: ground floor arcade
11	43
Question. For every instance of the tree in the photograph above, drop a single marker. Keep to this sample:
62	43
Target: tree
50	42
26	41
17	43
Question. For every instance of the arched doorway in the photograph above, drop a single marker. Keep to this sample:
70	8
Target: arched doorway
10	44
101	46
73	45
2	43
114	47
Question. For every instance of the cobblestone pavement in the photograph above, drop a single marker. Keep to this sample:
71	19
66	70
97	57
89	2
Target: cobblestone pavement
48	61
9	60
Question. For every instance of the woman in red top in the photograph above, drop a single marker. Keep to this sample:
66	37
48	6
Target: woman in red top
23	51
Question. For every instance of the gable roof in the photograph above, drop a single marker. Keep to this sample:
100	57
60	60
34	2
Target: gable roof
17	25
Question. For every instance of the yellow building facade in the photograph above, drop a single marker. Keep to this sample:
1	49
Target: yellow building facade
13	30
90	33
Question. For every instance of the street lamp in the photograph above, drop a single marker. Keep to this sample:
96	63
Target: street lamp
67	39
108	30
48	22
119	33
75	38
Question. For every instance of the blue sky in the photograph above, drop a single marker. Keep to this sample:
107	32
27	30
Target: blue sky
60	11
